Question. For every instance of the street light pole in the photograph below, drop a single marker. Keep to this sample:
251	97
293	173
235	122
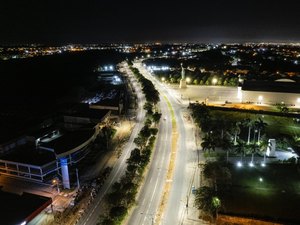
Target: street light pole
55	182
78	184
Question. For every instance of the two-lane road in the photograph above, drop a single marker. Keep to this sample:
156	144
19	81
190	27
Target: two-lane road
92	214
185	170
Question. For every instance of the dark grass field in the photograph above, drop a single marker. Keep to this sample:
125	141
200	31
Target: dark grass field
275	196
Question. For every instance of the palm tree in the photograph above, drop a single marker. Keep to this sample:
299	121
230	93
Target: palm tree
226	145
208	143
236	129
248	123
240	148
207	201
253	149
260	125
217	173
108	133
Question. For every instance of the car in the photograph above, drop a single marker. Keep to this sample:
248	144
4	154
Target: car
193	190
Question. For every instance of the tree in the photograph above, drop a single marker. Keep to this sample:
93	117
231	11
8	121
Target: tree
117	213
156	117
240	148
135	157
145	132
148	107
253	149
217	173
208	143
260	125
108	133
140	141
207	201
248	123
236	130
153	131
226	145
107	221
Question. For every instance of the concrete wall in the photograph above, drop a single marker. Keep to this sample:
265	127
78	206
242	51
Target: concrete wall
271	97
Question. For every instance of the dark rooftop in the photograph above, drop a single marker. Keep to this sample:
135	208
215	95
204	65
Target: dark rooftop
28	154
15	209
271	86
90	113
68	141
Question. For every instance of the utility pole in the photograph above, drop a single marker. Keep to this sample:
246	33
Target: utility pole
187	204
78	184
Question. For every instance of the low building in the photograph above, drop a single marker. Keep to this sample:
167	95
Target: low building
46	151
282	91
21	209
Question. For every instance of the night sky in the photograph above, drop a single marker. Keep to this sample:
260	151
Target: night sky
103	21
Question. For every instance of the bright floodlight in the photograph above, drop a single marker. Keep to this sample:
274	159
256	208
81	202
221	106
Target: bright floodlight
251	164
163	79
298	100
260	98
188	79
111	67
24	223
260	179
239	164
214	81
263	164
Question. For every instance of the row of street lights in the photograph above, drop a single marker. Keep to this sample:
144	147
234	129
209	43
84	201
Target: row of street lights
188	80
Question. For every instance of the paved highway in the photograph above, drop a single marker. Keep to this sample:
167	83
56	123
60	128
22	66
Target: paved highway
148	201
93	212
186	172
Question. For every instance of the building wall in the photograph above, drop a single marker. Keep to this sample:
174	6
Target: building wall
7	147
271	97
76	120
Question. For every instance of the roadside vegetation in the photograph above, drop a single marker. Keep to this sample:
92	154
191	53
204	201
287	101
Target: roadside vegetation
124	191
260	191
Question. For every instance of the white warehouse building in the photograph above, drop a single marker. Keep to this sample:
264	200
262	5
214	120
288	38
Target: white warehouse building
282	91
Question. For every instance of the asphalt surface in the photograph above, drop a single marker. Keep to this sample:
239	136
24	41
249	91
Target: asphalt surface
148	201
186	172
92	213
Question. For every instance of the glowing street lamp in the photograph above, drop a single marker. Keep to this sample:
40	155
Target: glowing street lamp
163	79
55	182
214	81
260	98
188	80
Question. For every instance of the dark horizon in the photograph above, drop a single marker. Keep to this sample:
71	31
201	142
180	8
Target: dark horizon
56	22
